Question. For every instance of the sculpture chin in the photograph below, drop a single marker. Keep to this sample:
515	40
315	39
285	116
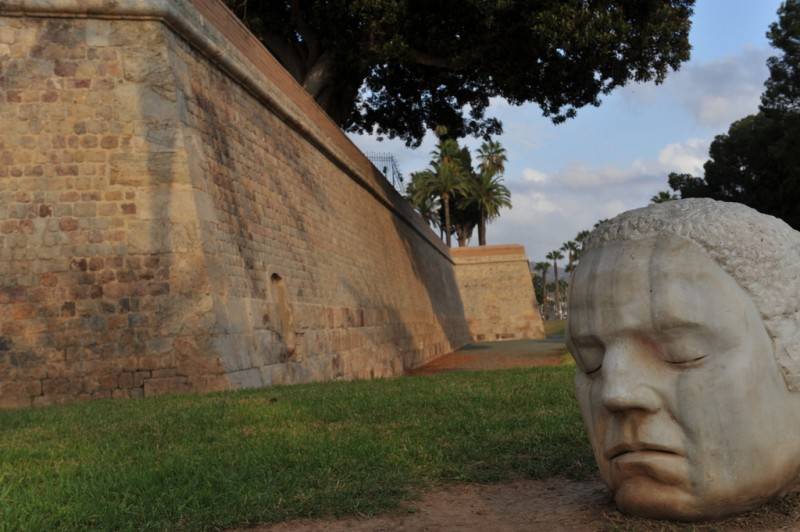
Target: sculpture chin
646	498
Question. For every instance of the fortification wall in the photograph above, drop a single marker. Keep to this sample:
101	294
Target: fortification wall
176	214
497	293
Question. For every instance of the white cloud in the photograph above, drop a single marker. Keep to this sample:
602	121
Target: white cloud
551	210
684	157
715	92
531	175
581	175
531	206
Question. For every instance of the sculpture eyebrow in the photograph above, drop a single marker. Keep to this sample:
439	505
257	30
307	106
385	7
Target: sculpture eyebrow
671	323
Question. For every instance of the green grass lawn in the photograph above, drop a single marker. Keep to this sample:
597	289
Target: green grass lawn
208	462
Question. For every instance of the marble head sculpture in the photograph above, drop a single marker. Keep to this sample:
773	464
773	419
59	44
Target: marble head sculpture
684	322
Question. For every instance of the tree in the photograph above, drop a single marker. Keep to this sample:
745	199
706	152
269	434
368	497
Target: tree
492	157
555	256
467	198
465	214
581	238
757	162
487	191
543	267
490	195
423	202
444	180
571	249
782	93
663	196
400	67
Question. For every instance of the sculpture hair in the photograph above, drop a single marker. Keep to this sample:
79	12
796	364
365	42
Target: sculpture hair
760	252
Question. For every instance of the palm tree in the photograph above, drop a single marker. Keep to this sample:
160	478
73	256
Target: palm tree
663	196
465	215
571	248
543	267
444	180
492	157
487	190
420	200
556	255
490	195
580	238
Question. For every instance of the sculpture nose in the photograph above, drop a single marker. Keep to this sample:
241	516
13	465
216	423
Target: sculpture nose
627	377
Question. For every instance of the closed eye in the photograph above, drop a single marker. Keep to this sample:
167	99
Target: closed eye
588	355
686	362
594	371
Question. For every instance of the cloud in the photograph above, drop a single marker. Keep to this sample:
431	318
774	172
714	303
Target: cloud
531	175
714	93
685	157
550	208
579	175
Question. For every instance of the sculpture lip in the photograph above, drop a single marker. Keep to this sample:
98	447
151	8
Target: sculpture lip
624	448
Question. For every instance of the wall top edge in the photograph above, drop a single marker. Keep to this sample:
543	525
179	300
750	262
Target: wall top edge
489	251
221	37
153	8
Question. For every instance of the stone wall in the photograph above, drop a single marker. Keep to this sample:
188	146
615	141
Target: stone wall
497	293
176	214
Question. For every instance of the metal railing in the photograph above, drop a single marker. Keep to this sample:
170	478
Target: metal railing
387	165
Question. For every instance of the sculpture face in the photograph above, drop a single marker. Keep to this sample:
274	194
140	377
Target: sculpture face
686	409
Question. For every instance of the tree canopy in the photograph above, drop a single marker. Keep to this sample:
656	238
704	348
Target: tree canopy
757	162
400	67
783	85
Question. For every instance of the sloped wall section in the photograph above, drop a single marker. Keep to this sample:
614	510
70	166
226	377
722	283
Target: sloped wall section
497	293
176	214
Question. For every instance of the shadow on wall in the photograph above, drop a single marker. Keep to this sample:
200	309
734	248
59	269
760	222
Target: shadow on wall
174	329
256	265
430	262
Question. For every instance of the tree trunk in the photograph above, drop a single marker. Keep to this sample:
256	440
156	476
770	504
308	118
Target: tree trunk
446	201
544	292
482	230
319	78
558	299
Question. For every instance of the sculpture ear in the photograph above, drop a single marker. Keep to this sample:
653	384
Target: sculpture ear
789	362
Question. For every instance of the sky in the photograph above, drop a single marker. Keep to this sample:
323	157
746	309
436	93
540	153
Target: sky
615	157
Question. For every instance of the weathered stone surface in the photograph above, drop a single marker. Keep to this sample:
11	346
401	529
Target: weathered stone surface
682	318
149	196
497	293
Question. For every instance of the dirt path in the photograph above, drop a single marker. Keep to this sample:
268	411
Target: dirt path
498	355
553	505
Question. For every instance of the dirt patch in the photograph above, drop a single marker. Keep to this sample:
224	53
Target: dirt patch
551	505
484	356
468	362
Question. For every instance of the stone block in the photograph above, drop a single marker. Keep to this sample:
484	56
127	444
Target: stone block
165	385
